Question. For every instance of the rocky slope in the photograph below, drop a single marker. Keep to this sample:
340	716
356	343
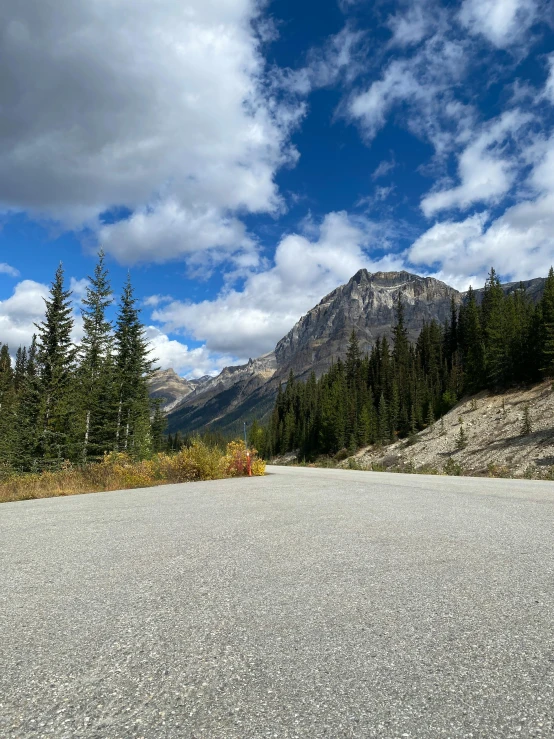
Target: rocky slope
492	425
366	303
167	384
216	401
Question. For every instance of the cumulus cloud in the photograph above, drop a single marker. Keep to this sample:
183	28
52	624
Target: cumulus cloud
168	230
308	265
486	167
519	242
156	107
20	312
195	362
502	22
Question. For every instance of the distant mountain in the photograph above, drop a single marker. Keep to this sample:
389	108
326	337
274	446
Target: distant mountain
167	385
365	303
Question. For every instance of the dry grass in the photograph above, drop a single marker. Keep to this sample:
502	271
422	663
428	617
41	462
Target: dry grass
119	472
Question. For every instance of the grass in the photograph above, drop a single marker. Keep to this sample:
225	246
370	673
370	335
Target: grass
118	472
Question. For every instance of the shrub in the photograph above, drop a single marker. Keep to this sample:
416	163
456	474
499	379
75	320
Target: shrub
258	467
235	461
117	471
453	468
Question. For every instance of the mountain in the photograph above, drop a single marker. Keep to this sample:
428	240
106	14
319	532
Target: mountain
167	385
365	303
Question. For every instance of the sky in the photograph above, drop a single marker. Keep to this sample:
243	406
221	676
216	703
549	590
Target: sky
242	158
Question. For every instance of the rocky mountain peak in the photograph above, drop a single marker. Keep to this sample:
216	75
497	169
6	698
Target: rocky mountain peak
367	303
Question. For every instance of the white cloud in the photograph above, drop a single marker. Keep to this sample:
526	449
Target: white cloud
519	243
443	243
20	312
193	363
168	231
154	106
339	58
486	170
410	27
502	22
383	169
7	269
422	88
307	266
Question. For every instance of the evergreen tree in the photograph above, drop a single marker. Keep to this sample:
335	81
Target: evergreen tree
56	362
547	332
28	433
7	407
95	372
133	367
472	344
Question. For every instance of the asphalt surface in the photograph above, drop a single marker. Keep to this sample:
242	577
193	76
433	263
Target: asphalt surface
309	603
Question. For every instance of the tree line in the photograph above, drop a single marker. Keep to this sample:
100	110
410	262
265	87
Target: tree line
65	401
400	387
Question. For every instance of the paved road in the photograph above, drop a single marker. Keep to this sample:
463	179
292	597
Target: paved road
310	603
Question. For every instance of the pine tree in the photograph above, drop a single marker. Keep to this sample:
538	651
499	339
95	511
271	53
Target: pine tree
472	344
28	433
159	425
461	439
547	316
383	427
56	362
7	407
133	367
95	372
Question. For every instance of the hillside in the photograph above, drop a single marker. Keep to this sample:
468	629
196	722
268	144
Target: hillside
495	444
365	303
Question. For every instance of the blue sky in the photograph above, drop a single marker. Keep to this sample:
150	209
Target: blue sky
242	159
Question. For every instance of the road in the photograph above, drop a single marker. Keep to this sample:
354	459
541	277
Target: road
309	603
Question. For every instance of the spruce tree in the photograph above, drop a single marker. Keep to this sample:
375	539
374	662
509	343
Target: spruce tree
96	367
28	434
133	367
7	407
56	363
547	320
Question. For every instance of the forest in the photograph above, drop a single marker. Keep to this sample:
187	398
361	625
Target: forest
501	340
62	401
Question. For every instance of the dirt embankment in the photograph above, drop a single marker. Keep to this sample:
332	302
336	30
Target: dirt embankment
509	434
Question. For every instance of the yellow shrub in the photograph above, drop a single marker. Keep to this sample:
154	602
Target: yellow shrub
235	461
258	467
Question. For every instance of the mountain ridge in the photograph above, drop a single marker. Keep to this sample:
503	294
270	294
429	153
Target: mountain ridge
366	303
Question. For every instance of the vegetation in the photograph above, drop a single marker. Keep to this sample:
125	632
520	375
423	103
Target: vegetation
118	471
77	418
402	388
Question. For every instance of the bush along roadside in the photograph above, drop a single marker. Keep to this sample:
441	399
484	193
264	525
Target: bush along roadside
118	471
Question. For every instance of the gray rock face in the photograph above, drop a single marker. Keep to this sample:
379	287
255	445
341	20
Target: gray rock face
263	367
167	384
366	303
